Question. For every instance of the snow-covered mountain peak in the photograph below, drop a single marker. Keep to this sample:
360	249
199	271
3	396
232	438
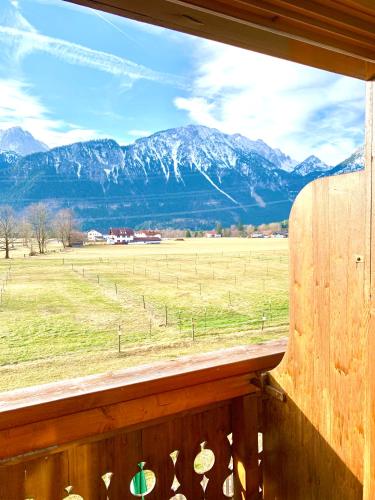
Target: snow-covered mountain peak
311	164
20	141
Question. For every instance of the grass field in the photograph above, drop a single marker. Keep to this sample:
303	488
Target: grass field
61	314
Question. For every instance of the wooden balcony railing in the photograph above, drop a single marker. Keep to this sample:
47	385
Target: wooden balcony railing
184	429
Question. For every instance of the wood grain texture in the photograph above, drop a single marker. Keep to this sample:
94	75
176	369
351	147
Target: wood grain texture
51	417
53	400
245	448
369	424
332	35
314	443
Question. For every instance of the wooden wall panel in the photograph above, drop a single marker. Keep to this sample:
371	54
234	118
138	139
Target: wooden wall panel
314	443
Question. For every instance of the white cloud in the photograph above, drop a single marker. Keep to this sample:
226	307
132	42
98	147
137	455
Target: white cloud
26	41
19	107
299	109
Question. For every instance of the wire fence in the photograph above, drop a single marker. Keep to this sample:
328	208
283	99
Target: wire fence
166	320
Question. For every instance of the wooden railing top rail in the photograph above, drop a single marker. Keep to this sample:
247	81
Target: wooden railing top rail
44	418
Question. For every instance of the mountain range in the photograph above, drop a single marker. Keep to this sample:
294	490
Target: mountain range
189	177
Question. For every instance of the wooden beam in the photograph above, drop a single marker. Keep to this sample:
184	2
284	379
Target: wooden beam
51	416
305	32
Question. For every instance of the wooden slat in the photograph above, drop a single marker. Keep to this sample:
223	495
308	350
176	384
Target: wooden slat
245	448
310	27
306	32
82	467
62	398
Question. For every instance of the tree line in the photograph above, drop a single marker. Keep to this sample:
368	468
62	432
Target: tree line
242	230
34	226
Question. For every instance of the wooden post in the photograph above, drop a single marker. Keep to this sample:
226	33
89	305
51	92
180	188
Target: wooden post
119	339
116	288
369	421
246	477
144	302
166	315
192	328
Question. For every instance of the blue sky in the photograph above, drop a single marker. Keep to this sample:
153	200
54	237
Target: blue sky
68	73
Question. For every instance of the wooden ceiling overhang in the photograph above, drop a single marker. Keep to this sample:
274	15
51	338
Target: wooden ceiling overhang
333	35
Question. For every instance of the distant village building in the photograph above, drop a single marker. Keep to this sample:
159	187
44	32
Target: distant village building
257	234
151	240
94	235
280	234
147	233
212	234
120	235
125	236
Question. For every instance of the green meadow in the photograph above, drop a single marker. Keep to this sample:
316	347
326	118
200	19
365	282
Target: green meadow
98	308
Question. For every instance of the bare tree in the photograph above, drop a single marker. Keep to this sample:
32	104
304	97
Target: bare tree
39	218
8	227
25	232
64	226
250	230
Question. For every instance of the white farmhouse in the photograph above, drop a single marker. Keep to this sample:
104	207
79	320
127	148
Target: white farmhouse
94	235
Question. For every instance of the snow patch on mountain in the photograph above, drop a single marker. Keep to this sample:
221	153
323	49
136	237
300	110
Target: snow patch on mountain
355	162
